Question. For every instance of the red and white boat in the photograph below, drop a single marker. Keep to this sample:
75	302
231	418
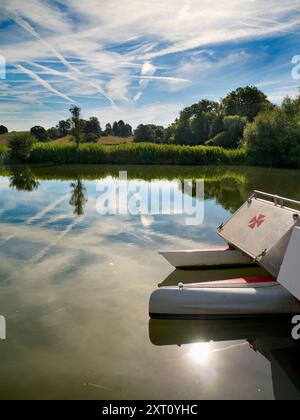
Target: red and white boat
264	231
233	298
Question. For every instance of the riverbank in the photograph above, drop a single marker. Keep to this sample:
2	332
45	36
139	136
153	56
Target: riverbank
54	153
141	154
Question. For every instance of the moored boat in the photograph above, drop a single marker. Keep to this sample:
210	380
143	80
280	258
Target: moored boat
264	231
233	298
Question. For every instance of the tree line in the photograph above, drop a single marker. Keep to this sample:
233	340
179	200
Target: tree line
88	131
211	123
244	119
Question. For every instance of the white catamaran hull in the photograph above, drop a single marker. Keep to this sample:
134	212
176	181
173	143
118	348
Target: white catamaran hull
223	299
204	258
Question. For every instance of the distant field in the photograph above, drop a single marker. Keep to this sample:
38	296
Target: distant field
5	137
68	139
63	140
102	140
115	140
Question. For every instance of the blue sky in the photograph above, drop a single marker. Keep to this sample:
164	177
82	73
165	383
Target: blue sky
138	60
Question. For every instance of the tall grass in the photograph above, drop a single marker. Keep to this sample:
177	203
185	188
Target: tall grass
3	150
142	153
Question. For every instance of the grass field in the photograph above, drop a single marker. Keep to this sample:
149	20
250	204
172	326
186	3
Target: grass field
109	140
115	140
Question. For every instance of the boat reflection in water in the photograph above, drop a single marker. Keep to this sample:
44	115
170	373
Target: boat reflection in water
271	338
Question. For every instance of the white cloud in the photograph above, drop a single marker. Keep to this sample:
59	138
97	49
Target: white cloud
148	69
43	83
118	87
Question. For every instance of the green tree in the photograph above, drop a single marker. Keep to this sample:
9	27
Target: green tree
3	129
108	129
23	180
78	199
159	134
275	138
76	124
232	134
53	133
197	123
115	129
92	126
91	138
247	101
127	130
291	107
20	145
183	133
64	127
121	128
144	133
39	133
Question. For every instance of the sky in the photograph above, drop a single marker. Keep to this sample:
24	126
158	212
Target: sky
138	60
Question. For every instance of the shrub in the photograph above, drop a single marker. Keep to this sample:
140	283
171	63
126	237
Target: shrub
223	139
53	133
39	133
20	146
91	138
234	126
276	137
3	129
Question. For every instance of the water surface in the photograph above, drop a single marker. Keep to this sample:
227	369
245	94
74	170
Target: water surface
75	286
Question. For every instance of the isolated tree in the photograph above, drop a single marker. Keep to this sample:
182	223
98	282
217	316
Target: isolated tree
76	123
247	102
92	126
3	129
20	145
39	133
64	127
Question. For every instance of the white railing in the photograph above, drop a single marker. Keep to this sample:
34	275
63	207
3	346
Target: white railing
277	200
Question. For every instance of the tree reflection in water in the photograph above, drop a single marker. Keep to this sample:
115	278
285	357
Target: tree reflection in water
78	199
23	180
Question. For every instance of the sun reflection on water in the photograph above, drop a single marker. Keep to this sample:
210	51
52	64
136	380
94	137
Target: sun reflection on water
200	353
